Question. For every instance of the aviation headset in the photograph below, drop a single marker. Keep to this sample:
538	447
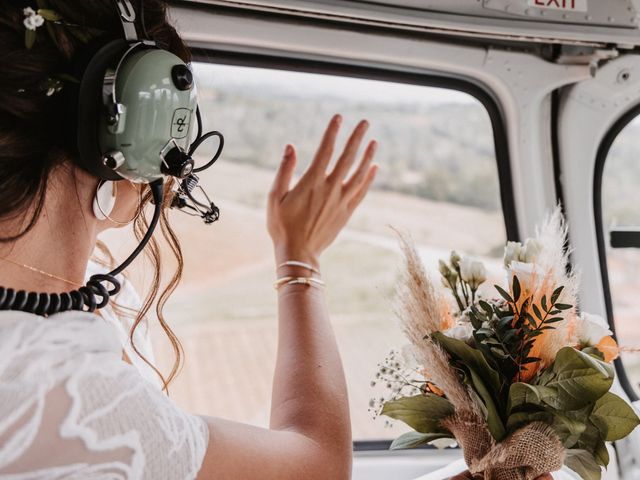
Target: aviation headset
135	106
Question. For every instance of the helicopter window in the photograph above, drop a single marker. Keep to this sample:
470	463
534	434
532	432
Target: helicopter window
619	199
438	180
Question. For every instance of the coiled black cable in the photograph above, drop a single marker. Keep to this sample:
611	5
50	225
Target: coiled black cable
94	295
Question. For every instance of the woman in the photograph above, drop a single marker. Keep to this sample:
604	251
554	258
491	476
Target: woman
71	404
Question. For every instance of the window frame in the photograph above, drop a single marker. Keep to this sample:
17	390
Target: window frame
601	159
326	67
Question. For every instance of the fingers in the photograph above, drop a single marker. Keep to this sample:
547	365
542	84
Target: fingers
344	163
546	476
284	175
363	189
358	176
325	150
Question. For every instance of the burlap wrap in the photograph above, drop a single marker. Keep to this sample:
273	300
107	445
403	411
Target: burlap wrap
524	455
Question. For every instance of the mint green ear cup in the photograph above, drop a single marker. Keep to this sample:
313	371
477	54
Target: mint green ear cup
157	104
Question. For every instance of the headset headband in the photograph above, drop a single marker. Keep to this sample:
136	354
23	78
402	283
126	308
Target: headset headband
128	20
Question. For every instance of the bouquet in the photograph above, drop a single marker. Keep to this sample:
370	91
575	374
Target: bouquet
520	379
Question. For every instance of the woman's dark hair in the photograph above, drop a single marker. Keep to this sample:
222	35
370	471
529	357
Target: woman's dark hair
32	119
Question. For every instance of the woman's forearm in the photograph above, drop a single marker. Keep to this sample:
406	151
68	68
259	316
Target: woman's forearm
309	388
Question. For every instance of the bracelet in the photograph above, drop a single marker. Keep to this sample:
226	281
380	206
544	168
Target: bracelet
310	281
295	263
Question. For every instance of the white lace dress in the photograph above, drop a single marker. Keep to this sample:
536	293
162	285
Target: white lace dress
71	408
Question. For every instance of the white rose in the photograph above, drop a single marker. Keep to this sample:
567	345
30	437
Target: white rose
592	328
473	272
512	252
530	251
461	331
529	275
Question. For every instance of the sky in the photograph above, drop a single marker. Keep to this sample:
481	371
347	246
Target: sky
301	84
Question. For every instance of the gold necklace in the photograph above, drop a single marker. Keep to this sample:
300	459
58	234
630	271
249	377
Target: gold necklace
42	272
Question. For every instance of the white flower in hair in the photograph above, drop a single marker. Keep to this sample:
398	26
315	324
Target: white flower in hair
32	19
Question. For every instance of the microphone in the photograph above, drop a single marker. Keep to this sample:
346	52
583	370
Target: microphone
185	200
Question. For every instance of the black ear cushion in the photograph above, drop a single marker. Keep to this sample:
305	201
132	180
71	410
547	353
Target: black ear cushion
90	108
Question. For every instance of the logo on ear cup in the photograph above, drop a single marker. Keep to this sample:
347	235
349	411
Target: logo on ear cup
180	123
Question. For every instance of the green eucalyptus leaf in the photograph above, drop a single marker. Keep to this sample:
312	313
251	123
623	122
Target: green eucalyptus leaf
583	463
487	308
601	454
416	439
510	335
592	441
485	380
485	331
423	413
518	419
470	358
525	394
543	302
554	320
568	429
505	321
516	288
614	418
536	310
531	320
556	295
563	306
499	352
504	294
580	378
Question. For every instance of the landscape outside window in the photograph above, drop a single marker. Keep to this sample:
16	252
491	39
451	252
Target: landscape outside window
438	180
621	208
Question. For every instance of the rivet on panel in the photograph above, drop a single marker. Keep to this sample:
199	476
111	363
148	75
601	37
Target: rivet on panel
624	76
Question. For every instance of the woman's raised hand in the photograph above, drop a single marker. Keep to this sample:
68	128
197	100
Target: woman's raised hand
304	220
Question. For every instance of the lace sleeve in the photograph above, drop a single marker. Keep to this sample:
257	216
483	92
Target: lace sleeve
70	408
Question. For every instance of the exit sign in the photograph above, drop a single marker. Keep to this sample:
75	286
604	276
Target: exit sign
564	5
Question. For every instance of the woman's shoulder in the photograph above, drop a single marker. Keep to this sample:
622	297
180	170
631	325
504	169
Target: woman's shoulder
64	388
70	332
